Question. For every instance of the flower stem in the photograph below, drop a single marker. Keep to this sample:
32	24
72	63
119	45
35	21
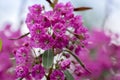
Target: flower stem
20	36
80	62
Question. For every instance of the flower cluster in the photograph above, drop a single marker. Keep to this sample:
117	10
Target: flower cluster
6	34
52	29
101	58
57	75
6	51
57	48
55	32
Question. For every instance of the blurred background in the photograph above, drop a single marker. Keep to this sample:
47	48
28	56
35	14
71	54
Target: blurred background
105	13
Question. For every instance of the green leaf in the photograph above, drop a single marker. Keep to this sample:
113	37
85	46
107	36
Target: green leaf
68	75
0	44
47	58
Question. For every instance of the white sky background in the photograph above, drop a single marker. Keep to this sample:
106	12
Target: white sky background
9	12
113	20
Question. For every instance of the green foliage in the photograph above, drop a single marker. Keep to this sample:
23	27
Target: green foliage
47	58
68	75
0	44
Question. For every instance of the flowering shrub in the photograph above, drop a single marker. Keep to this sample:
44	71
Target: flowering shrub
101	58
57	48
55	35
7	48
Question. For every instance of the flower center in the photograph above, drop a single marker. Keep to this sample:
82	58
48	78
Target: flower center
38	71
32	21
47	41
57	30
58	78
38	31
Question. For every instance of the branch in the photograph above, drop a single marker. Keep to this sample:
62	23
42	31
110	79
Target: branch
82	8
20	36
80	62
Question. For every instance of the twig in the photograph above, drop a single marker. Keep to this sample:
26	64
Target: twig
82	8
20	36
77	60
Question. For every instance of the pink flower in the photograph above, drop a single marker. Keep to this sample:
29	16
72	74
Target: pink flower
76	22
61	41
36	9
64	9
38	72
5	62
57	75
22	71
23	56
59	29
37	30
65	64
31	20
45	42
78	71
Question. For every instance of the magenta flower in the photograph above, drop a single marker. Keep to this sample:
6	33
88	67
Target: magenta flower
57	75
69	8
37	30
22	71
45	42
76	22
10	76
79	71
64	9
44	21
59	29
31	20
59	8
38	72
61	41
23	56
55	23
35	42
36	9
51	16
5	35
81	30
50	29
115	77
67	55
77	50
5	62
5	66
65	64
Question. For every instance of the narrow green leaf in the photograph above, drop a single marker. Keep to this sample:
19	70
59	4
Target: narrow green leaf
0	44
47	58
68	75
